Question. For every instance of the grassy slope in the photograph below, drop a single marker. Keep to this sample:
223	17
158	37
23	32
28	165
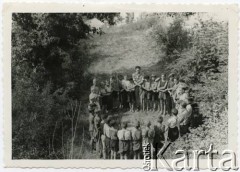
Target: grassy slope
119	51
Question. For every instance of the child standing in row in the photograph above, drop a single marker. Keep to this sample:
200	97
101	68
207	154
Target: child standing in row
154	92
162	85
130	88
137	141
145	94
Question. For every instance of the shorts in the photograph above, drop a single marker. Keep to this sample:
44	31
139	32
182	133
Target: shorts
154	96
107	144
115	94
104	100
148	95
137	145
124	146
143	95
131	97
173	134
114	145
162	96
157	144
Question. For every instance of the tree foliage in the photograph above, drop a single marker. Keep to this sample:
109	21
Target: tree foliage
49	58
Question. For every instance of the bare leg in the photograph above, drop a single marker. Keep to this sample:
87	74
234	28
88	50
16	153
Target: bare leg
147	105
160	106
164	107
143	104
138	155
154	106
126	156
134	155
121	156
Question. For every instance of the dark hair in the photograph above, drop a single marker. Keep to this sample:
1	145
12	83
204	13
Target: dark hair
112	123
146	77
160	119
137	67
181	80
124	124
183	104
176	78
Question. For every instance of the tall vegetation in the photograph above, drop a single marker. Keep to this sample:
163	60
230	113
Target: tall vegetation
49	58
200	57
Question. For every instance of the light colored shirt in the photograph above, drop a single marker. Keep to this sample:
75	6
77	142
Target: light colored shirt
145	135
95	89
137	78
108	88
120	134
154	85
172	122
106	130
103	91
125	83
189	109
93	98
127	135
130	86
91	122
183	97
183	117
113	133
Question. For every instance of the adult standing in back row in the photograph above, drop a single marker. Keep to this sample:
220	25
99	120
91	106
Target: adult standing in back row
138	80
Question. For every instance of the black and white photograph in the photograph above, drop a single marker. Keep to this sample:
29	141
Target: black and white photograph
107	85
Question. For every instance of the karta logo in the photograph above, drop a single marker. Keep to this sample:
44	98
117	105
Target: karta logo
226	163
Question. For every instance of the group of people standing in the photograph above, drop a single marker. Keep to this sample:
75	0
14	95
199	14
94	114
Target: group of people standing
110	136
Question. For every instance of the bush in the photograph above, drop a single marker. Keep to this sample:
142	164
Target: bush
172	39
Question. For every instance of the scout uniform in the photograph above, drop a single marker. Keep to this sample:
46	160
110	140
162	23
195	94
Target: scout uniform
124	84
109	99
145	136
127	142
184	119
115	90
120	135
113	140
131	94
162	95
137	139
145	94
138	80
172	124
159	135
